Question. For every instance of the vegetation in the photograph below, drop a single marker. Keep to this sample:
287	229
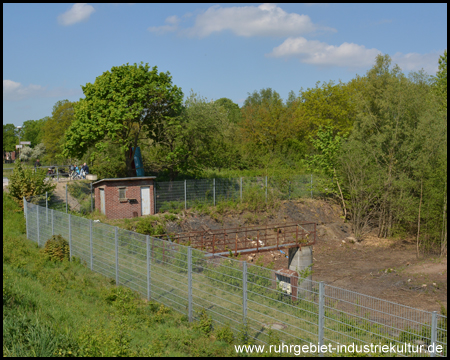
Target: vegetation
378	143
123	105
61	308
24	181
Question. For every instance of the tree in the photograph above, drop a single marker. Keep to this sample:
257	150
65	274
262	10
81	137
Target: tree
55	127
325	161
124	105
10	138
194	140
233	111
25	153
25	182
33	131
440	81
38	151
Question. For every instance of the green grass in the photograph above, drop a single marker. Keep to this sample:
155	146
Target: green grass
64	309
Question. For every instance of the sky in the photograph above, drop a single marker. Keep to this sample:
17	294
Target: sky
214	50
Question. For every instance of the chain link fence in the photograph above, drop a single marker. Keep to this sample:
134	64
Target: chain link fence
245	297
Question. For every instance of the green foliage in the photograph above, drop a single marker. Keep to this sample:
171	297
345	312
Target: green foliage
192	141
10	138
55	127
224	333
204	322
33	130
63	309
122	106
57	248
25	182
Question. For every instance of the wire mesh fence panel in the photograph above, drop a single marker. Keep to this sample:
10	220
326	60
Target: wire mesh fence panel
169	195
252	300
217	287
199	192
441	333
352	317
169	281
300	187
227	189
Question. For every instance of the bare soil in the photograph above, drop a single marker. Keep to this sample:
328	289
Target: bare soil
383	268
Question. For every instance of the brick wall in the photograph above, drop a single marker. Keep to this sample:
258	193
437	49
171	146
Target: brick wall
116	209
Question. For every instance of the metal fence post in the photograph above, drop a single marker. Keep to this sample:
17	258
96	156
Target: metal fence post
149	257
321	314
91	244
266	188
189	264
244	292
25	212
92	200
214	192
37	220
116	237
154	196
53	228
70	238
433	332
57	174
66	198
46	207
241	189
311	187
185	195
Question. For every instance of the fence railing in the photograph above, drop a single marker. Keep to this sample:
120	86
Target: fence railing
245	297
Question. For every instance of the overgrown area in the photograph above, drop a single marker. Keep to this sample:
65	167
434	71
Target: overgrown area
53	307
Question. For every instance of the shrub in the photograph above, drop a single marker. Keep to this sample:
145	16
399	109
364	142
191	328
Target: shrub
25	182
57	248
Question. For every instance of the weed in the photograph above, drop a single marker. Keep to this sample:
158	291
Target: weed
57	248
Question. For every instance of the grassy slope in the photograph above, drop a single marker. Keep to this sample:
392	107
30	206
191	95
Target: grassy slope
63	309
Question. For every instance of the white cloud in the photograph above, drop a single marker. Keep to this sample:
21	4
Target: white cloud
78	12
415	62
14	91
172	25
319	53
262	20
350	55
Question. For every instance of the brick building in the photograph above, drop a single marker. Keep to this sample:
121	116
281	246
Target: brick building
125	197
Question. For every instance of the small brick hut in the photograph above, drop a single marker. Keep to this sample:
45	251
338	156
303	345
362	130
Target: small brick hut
125	197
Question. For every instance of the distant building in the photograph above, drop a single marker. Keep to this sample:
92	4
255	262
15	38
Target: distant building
121	198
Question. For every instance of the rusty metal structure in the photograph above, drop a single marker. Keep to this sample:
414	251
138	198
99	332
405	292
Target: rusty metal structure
234	241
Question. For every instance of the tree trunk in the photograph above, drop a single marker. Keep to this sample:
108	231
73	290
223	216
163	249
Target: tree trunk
418	221
342	196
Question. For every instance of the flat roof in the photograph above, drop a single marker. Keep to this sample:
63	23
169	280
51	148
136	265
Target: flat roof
127	179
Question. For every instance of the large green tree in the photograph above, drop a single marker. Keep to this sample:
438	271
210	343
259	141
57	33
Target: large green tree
55	127
33	131
232	109
193	141
124	105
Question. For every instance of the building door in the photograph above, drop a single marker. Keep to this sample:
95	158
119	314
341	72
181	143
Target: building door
102	201
145	200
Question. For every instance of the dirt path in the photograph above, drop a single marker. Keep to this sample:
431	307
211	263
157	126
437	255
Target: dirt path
60	193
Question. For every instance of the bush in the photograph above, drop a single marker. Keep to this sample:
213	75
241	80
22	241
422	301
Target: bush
57	248
25	182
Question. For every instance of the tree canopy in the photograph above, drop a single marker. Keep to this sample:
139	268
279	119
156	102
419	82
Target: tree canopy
123	105
10	138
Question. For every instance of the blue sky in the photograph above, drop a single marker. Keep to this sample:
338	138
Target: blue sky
217	50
